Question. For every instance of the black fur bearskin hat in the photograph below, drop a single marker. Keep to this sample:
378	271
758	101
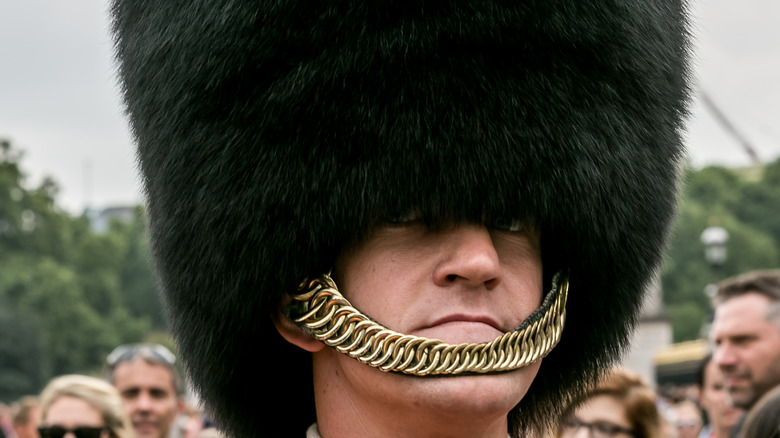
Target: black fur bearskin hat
272	134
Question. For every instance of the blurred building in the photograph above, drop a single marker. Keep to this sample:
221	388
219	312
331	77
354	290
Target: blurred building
653	334
99	220
677	364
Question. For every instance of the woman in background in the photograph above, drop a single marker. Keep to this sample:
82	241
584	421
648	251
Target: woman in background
621	406
84	406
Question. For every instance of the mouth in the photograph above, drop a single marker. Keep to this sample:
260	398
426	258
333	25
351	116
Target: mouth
734	381
462	328
144	426
467	319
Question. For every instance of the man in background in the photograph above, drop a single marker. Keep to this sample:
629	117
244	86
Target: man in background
746	333
150	385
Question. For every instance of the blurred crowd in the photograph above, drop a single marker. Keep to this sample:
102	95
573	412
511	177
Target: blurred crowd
142	395
622	405
737	388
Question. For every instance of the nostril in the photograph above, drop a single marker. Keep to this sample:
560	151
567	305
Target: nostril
452	277
491	284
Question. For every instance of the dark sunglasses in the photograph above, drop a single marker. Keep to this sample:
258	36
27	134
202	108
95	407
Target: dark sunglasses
78	432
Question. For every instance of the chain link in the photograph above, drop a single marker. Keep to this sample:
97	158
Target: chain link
322	311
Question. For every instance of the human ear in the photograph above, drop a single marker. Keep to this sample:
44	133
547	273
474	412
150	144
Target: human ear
292	333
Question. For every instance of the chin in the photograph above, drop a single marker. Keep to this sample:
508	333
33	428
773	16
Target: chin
484	393
451	399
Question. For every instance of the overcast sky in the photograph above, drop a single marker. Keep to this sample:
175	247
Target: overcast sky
59	101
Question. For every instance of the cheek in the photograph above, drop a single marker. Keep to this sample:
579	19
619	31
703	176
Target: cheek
524	284
378	283
522	266
527	376
758	359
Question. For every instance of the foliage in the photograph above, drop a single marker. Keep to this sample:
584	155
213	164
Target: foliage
68	293
748	209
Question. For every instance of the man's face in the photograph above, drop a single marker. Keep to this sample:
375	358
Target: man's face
149	396
747	348
459	284
714	400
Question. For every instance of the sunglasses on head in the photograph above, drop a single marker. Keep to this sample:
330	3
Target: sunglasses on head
78	432
129	352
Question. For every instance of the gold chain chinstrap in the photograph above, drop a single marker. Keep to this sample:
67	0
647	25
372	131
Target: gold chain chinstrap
322	311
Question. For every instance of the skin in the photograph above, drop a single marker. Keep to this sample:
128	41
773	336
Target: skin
149	397
462	283
689	422
715	402
192	427
71	412
30	428
747	348
599	409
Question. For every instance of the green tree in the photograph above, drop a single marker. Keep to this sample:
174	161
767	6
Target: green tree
68	295
759	203
20	354
137	279
746	209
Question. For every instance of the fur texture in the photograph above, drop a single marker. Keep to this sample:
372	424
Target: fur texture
272	134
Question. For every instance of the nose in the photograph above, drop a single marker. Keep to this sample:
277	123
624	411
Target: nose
724	356
143	402
470	258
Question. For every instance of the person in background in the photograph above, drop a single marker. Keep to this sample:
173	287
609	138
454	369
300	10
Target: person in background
668	422
191	422
621	406
6	425
721	415
150	385
82	407
688	419
212	433
746	334
25	417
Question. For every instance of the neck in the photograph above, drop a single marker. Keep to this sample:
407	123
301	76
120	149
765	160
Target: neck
371	403
361	423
